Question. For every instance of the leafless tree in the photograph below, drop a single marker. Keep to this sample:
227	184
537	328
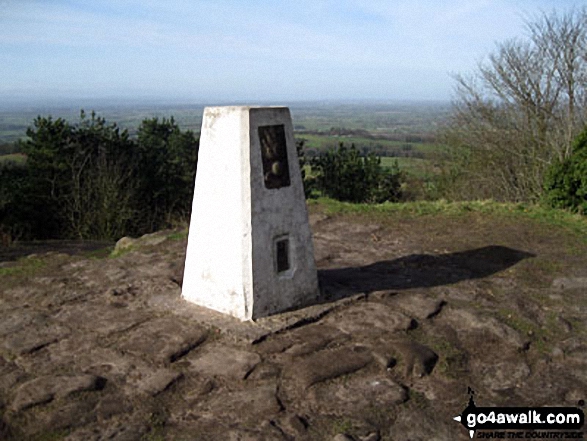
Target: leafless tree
521	110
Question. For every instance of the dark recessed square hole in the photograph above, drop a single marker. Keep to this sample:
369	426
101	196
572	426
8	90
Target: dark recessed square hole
282	249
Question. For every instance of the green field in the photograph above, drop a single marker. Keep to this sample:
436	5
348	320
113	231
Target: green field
375	117
320	142
417	167
403	130
14	158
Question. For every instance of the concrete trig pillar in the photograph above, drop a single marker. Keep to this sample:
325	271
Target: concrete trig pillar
250	251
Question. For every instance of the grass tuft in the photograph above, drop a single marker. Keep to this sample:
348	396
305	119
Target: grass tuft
27	266
178	235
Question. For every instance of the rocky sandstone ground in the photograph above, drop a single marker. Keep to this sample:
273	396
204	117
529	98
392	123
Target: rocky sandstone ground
413	312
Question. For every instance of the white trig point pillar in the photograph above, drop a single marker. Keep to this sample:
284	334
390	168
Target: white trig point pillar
250	251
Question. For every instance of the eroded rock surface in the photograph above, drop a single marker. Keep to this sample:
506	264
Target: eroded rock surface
412	314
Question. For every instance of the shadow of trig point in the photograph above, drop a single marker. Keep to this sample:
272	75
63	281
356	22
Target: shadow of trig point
250	251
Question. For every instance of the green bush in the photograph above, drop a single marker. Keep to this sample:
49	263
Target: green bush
90	180
167	163
345	175
80	179
13	213
566	181
308	181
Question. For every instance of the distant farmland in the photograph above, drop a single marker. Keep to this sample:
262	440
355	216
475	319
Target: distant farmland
405	131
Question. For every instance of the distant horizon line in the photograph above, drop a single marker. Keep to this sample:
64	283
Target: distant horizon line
7	103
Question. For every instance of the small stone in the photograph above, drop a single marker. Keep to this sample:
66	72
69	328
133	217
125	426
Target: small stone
123	244
370	437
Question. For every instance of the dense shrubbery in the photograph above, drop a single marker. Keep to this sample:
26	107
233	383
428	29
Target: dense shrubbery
91	181
12	210
566	181
167	160
345	175
308	181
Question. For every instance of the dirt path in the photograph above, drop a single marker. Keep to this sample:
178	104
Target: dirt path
414	311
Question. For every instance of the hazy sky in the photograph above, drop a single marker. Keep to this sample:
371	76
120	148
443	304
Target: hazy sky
238	50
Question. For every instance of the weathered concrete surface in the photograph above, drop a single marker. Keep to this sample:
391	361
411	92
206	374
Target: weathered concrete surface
248	156
95	349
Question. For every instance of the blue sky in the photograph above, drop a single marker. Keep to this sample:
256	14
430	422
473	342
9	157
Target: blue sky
253	50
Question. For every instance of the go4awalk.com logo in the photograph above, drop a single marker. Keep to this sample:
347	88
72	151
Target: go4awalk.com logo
522	422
